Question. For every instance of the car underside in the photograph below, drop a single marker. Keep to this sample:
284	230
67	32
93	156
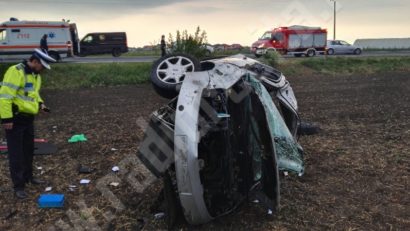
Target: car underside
223	139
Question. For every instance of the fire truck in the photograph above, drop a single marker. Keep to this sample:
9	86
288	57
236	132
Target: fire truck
18	39
293	40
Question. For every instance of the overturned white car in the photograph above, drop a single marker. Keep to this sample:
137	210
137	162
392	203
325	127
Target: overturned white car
230	129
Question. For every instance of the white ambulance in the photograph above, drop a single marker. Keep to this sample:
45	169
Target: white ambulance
18	39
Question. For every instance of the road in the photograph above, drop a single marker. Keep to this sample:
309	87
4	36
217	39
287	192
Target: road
147	59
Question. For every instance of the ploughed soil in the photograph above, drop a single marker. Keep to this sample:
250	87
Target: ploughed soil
357	167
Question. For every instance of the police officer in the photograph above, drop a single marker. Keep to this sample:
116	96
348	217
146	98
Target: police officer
20	101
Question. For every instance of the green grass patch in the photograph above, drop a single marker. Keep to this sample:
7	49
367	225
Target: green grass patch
65	75
343	65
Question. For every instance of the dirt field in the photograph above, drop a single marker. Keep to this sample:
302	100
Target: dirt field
357	168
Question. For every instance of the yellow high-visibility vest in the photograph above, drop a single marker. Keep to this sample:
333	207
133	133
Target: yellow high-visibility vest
21	89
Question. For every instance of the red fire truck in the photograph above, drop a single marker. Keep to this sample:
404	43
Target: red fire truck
293	40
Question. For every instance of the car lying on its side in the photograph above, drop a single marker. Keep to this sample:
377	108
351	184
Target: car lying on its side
341	47
230	128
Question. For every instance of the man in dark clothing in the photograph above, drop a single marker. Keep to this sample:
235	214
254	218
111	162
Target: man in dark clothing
20	101
163	46
43	44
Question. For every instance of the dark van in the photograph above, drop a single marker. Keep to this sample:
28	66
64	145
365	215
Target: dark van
114	43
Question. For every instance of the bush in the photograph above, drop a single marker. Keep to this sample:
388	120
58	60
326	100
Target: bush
271	58
192	44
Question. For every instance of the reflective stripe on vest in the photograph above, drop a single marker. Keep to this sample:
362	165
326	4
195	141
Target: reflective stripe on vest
25	98
5	96
10	85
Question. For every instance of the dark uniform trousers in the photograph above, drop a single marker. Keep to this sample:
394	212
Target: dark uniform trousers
20	144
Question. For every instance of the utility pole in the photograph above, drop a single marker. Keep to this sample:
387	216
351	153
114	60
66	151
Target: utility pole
334	19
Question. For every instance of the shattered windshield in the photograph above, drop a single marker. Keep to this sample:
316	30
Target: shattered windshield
287	151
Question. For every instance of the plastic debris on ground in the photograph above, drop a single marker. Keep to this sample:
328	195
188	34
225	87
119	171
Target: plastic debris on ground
270	212
77	138
51	201
84	169
39	168
115	184
72	188
48	189
286	173
85	181
256	201
115	169
114	149
159	216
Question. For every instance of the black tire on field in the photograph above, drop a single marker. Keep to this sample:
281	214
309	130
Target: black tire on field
168	73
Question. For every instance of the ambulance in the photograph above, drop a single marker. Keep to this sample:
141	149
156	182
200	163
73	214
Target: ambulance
18	39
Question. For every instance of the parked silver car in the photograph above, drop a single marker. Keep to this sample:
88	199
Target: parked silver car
342	47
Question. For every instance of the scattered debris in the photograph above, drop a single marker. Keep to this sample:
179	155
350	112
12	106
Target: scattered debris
48	189
114	149
51	201
115	169
40	168
286	173
72	188
115	184
159	216
256	201
85	181
85	170
270	212
77	138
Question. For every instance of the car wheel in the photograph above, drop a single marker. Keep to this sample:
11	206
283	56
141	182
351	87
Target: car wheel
169	71
311	53
330	51
357	51
55	56
116	52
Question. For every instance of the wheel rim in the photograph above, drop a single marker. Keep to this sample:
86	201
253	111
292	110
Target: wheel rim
330	52
173	69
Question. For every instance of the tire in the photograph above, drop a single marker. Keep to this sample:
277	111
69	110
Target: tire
311	53
116	52
55	56
168	73
257	55
358	51
330	51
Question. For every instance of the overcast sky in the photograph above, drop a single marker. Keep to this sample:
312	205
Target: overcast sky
226	21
